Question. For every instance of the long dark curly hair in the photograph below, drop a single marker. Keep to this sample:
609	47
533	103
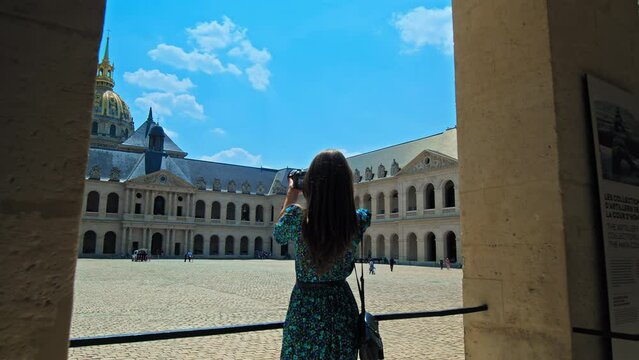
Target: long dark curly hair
330	221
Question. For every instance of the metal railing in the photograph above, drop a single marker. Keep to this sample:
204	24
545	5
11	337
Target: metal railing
234	329
606	334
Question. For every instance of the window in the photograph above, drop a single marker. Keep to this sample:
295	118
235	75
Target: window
246	213
429	197
158	205
93	201
367	202
394	202
94	128
215	210
230	211
138	208
112	131
113	202
411	199
381	203
179	211
259	213
449	194
199	209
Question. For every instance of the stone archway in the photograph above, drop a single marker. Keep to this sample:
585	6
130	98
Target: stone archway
451	246
156	243
431	247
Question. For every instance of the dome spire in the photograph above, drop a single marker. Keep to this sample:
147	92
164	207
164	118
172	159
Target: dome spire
150	117
105	57
104	77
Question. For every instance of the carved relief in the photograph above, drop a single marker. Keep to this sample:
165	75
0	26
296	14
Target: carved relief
230	187
381	171
95	173
356	176
115	174
260	188
431	162
394	168
278	188
368	174
217	185
246	187
200	183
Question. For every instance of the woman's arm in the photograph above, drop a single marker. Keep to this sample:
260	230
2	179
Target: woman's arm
291	197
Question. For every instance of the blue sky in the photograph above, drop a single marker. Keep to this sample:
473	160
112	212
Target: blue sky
271	83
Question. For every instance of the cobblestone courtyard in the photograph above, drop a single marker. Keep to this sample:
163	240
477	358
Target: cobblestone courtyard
119	296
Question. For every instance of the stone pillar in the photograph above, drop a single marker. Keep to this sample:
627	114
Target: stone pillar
251	246
421	247
527	168
125	206
419	194
46	47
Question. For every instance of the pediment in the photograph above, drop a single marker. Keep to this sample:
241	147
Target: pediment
162	178
428	160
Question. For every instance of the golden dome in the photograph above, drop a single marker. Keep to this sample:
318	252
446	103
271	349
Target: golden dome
109	106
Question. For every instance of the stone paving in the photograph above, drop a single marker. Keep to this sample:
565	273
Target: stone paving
119	296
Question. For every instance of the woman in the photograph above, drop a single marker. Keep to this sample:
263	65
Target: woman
321	322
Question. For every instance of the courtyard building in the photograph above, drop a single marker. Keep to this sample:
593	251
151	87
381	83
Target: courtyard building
142	192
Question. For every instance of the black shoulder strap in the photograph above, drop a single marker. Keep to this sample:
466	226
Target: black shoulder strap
361	289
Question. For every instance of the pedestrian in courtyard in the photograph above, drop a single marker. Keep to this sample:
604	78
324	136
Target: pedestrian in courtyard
186	256
371	267
441	264
189	255
447	262
392	263
322	317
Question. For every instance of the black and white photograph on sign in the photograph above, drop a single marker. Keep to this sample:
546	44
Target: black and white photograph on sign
618	131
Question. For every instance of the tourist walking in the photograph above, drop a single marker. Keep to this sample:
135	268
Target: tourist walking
441	264
447	262
392	263
189	255
371	267
322	317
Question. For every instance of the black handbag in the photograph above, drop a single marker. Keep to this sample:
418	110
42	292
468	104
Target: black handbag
369	340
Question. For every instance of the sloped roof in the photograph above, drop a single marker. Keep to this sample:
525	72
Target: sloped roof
444	143
139	140
132	165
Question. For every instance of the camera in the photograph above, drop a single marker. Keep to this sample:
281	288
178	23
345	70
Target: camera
298	178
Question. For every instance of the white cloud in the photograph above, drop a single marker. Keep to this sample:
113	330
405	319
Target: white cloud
168	104
219	47
426	27
248	51
192	61
213	35
218	131
259	76
172	134
157	80
237	156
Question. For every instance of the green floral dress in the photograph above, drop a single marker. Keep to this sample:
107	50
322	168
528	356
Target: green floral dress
321	322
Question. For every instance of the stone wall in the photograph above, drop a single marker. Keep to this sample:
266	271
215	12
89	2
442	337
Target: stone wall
530	220
47	66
